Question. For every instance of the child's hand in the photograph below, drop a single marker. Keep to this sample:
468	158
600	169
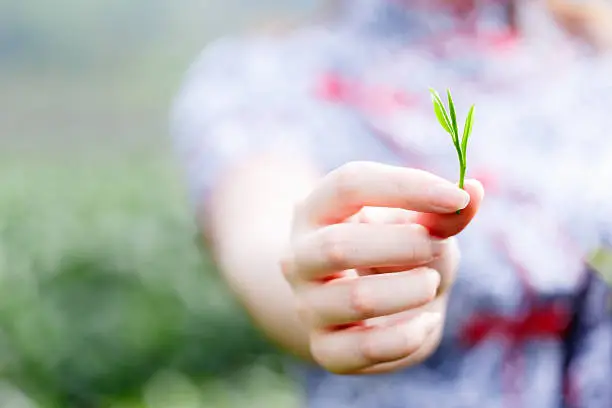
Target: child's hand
369	281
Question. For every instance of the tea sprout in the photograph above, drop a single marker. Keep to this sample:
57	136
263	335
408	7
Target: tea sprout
448	120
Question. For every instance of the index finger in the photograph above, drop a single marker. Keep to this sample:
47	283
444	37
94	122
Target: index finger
346	190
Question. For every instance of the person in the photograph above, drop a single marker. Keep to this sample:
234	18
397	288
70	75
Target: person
326	191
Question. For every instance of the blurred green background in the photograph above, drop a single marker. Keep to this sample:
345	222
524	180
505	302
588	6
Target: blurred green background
105	299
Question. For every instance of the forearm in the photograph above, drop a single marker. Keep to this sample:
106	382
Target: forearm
255	278
248	225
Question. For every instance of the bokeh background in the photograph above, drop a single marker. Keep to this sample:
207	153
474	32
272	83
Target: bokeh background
105	298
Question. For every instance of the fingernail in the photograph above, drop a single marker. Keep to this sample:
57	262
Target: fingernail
434	279
449	197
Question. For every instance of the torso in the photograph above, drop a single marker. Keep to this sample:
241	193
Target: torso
541	146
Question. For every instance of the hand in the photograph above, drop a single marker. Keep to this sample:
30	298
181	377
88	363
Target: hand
371	261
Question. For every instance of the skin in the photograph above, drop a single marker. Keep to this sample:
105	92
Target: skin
351	270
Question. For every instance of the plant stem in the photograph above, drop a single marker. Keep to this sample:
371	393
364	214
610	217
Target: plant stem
461	177
462	168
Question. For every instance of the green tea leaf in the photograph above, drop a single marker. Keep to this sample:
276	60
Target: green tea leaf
467	130
453	115
441	112
451	127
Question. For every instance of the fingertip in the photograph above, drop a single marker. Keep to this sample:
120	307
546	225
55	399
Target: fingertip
474	188
466	199
447	225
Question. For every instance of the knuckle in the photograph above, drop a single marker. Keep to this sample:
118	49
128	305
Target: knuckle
287	268
371	352
303	312
417	252
309	308
332	366
362	302
420	232
400	344
347	181
421	251
368	349
431	282
413	340
414	343
320	351
421	248
333	248
324	351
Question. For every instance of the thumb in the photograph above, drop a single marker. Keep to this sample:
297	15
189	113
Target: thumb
447	225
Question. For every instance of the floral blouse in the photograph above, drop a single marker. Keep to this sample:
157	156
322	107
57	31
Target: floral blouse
529	324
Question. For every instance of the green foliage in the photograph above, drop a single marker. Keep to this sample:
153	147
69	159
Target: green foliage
105	298
448	121
103	285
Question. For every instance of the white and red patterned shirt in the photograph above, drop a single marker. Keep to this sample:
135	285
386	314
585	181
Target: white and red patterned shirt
528	324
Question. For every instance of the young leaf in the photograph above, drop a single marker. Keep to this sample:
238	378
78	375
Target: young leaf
451	127
467	130
453	115
441	112
453	118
